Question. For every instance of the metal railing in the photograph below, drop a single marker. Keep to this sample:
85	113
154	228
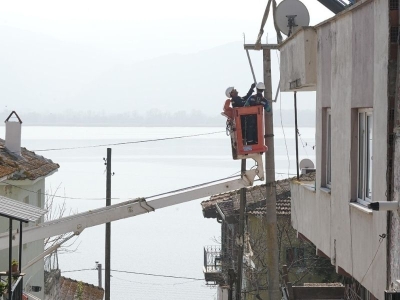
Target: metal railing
16	289
212	259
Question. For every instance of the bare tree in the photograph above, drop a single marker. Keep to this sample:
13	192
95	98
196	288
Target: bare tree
57	210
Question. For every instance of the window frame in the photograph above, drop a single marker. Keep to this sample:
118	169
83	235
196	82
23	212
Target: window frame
328	154
364	155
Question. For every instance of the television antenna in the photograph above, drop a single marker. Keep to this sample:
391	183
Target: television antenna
290	14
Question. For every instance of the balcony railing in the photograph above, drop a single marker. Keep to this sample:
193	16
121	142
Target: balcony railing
212	264
16	287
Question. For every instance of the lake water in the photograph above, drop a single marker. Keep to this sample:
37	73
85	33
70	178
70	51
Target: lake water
166	242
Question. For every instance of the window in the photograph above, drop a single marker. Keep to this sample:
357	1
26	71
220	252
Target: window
364	176
328	149
295	257
394	4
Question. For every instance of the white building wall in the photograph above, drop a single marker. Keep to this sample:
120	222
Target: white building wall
352	72
35	274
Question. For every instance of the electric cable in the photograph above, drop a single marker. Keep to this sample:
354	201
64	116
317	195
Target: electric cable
127	143
283	130
137	273
56	196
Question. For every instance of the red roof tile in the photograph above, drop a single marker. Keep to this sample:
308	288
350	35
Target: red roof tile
228	203
70	287
27	166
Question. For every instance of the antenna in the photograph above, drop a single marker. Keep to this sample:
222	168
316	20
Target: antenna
290	14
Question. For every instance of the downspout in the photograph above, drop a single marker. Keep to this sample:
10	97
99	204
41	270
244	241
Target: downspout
394	130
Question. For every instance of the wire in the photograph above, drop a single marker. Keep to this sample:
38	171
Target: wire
56	196
126	143
283	130
149	197
381	238
190	187
138	273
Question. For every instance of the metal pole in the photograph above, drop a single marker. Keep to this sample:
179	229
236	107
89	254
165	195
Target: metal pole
251	66
108	228
20	247
271	219
9	257
99	275
241	236
296	134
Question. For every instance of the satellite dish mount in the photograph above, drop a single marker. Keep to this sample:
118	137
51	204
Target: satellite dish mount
290	15
291	23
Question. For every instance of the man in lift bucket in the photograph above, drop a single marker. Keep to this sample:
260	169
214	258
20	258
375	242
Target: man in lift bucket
251	120
234	100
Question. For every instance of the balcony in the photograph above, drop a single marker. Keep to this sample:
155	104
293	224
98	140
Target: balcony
212	265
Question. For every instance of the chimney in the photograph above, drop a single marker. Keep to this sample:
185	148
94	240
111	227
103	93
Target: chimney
13	134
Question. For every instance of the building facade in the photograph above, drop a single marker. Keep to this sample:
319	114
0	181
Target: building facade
350	61
221	261
26	183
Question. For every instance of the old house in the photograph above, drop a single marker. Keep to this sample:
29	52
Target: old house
25	182
350	61
220	262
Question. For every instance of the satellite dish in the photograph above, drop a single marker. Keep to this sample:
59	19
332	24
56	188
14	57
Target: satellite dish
291	15
306	164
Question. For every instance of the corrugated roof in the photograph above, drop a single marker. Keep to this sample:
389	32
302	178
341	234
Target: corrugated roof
19	211
69	288
27	166
228	203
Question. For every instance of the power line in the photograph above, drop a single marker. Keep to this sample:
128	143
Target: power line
56	196
137	273
126	143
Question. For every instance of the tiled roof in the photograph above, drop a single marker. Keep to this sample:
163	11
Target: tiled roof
69	287
27	166
228	203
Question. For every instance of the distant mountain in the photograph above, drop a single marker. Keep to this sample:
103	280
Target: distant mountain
173	82
40	74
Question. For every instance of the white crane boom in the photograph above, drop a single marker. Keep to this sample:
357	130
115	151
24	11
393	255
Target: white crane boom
77	223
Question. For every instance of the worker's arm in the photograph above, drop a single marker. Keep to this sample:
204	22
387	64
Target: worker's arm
249	93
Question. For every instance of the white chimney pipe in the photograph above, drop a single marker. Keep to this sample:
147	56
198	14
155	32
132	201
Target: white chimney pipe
13	134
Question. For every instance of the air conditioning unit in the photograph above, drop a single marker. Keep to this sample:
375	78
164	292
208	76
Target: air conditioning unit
392	295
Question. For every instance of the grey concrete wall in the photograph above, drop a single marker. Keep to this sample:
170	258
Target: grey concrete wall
352	73
298	60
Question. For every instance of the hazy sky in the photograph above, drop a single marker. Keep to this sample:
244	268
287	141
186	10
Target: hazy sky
123	31
143	29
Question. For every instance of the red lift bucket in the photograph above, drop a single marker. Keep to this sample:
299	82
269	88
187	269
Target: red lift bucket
248	131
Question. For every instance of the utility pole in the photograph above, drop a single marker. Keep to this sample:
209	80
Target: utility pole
241	236
271	226
108	229
296	135
99	270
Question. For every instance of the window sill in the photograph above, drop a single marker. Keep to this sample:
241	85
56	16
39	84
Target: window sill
361	207
325	190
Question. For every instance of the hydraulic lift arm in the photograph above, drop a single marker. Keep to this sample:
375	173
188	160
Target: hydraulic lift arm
77	223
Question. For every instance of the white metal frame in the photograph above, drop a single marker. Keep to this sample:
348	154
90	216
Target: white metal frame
364	156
